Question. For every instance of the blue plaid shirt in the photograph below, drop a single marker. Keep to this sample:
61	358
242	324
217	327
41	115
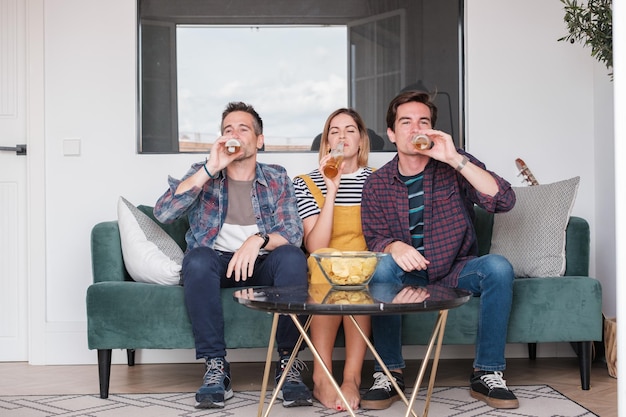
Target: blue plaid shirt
273	201
449	235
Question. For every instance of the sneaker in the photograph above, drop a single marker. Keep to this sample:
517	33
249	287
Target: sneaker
382	393
294	392
215	387
488	386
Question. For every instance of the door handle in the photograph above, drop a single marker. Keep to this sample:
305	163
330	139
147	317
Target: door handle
18	149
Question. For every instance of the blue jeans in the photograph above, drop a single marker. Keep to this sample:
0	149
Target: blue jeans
490	277
204	273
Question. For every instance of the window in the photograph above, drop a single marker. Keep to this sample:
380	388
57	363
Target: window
296	61
293	86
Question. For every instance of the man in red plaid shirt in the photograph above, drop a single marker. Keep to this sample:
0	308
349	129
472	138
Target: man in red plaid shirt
418	208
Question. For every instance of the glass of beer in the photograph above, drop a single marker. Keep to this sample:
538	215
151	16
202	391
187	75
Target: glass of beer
232	145
422	142
336	158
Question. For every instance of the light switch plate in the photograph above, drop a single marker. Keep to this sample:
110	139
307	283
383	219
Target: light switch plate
71	147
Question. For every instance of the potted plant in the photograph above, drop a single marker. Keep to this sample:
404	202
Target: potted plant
590	22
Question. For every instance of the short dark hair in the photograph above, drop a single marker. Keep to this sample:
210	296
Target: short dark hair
241	106
407	97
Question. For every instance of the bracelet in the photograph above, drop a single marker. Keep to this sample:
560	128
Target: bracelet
207	172
462	163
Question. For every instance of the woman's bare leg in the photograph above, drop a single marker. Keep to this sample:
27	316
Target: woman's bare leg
355	354
323	334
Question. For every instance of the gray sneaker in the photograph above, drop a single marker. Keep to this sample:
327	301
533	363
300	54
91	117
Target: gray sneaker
294	392
216	386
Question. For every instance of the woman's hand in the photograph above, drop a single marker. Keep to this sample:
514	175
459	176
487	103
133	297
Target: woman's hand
332	184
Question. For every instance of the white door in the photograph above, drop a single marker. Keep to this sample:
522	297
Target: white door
13	190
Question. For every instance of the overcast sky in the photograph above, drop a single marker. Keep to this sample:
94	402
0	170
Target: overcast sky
294	77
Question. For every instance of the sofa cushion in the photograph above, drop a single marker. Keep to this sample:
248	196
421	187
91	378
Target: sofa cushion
532	235
137	315
545	309
150	254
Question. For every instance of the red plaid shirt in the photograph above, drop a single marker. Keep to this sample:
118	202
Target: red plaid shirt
449	235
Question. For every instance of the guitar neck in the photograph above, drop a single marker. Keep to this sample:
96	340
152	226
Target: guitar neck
525	172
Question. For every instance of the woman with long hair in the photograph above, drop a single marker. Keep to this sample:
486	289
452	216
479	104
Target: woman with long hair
331	214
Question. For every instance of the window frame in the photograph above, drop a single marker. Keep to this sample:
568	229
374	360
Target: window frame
452	102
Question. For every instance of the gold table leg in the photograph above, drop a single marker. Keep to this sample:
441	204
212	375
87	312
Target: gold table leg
317	356
372	349
268	362
438	330
437	334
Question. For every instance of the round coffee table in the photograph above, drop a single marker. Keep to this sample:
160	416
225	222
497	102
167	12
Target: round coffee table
375	299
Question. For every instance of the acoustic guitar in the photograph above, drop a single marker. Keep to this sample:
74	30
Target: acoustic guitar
524	171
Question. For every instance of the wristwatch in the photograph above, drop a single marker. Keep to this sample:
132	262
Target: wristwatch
266	239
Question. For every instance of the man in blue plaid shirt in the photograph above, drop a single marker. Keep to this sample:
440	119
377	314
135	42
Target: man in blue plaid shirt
244	230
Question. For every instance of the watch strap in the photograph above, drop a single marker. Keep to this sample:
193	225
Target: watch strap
266	239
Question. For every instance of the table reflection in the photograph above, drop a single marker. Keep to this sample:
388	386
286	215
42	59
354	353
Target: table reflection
374	299
338	296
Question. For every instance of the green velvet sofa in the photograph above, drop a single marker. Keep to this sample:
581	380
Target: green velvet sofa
123	314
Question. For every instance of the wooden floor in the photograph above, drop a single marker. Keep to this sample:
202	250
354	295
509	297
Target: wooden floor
561	374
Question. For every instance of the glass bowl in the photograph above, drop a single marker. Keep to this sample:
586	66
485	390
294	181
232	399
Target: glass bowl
348	269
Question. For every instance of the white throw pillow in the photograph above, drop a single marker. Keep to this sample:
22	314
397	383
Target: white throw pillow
150	254
532	235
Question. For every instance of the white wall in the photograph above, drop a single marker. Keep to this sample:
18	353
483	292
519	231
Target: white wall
529	96
619	56
604	231
548	103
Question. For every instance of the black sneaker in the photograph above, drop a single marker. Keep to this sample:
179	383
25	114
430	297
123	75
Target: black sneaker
215	387
293	393
490	387
382	393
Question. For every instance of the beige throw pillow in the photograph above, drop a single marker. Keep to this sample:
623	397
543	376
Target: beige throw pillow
532	235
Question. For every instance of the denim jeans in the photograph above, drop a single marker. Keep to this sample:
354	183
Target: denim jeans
490	277
204	273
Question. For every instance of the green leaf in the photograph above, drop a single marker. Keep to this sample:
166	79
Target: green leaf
590	23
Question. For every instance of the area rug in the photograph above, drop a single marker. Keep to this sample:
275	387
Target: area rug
535	400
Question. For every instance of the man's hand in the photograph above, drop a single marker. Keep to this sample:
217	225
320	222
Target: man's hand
407	257
247	293
444	149
242	262
219	158
411	295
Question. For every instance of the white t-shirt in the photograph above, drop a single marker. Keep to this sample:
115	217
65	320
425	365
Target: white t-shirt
240	222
